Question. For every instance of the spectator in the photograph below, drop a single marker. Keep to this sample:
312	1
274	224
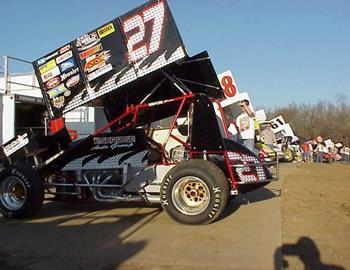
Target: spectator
268	137
345	153
245	124
306	147
333	151
314	146
320	149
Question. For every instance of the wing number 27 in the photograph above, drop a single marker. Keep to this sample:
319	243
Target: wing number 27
139	43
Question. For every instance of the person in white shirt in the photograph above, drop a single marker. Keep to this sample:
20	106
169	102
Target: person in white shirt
245	124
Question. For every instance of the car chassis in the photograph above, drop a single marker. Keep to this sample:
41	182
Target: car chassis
121	162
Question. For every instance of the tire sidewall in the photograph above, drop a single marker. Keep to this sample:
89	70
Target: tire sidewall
34	191
217	189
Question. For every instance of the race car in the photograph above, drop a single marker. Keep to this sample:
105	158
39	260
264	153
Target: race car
191	170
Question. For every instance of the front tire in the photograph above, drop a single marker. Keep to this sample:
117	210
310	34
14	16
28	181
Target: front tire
21	192
194	192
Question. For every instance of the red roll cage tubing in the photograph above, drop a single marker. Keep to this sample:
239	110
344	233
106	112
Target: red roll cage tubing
187	98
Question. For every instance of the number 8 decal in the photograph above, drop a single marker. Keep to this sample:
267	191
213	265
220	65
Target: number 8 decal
138	47
229	88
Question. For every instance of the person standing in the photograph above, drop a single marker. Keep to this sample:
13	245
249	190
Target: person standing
245	124
306	152
320	149
268	137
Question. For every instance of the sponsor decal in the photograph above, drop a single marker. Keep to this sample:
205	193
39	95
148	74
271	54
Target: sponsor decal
97	61
47	58
113	140
64	57
56	91
58	102
102	143
53	83
67	65
46	67
73	81
99	72
50	74
69	74
90	51
67	93
87	41
40	61
106	30
65	49
17	144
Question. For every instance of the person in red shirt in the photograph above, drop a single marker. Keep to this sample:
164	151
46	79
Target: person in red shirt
306	152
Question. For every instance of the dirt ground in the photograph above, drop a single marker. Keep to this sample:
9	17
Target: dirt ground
313	200
316	217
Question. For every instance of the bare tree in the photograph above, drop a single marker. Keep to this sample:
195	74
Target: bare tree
325	118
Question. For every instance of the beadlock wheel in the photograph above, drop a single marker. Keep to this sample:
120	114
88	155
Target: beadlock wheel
191	196
13	193
21	191
194	192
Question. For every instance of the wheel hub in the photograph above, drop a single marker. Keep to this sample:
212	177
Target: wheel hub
12	193
191	195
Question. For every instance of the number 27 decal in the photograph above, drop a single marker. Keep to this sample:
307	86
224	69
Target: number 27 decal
135	28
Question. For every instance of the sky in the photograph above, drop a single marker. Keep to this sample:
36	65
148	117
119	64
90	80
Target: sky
279	51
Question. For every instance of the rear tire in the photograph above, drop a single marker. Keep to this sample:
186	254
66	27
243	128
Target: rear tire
194	192
21	192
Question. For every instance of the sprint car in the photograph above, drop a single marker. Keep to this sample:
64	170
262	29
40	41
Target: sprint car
190	167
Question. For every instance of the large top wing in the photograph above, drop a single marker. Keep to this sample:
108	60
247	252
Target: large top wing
113	55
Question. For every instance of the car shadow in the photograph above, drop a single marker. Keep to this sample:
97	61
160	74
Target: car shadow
254	196
74	236
308	253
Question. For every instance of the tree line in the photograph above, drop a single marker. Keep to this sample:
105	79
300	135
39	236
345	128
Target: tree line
331	120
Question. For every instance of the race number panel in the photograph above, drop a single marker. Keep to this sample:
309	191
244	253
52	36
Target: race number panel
113	55
228	84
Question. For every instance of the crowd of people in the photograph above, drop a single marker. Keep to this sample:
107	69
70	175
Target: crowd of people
318	151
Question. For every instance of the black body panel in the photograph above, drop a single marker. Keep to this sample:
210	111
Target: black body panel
206	133
104	151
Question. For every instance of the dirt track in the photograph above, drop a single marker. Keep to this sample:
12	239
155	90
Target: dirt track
316	217
314	227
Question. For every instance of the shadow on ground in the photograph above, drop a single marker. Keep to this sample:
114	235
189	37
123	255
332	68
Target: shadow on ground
255	196
73	236
308	253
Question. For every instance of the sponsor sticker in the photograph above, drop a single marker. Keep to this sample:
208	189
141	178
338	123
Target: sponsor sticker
67	65
67	93
87	41
50	74
99	72
40	61
97	61
114	140
106	30
64	57
17	144
71	82
65	49
58	102
46	67
90	51
47	58
69	74
53	83
56	91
